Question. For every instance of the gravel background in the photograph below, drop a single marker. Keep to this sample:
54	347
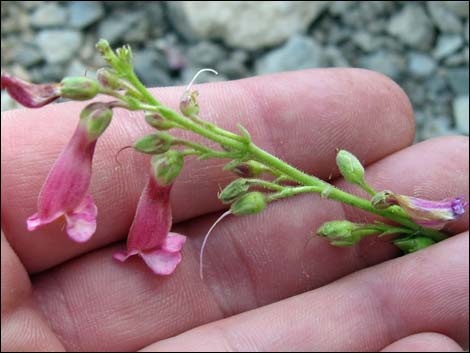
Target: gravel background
422	45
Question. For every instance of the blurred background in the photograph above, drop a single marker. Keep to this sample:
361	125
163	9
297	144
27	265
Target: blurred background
423	45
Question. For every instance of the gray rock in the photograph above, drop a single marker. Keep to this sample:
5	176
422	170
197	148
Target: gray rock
49	14
116	25
77	68
58	46
234	66
151	68
48	73
413	27
460	107
421	65
298	53
444	18
336	57
139	32
84	13
386	62
458	80
446	45
206	54
466	31
26	55
245	24
341	7
437	126
366	41
456	59
459	8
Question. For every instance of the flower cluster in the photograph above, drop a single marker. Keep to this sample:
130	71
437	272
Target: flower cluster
65	193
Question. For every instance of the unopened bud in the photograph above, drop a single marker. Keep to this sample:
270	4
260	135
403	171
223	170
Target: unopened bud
156	143
251	203
250	169
158	122
79	88
167	166
96	118
234	190
108	78
409	245
344	233
350	167
382	200
188	103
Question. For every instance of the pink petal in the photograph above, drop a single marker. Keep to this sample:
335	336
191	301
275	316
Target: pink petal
123	255
152	220
161	262
173	242
81	223
35	221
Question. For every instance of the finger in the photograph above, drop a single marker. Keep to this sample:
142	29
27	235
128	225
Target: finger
250	262
23	326
362	312
424	342
300	116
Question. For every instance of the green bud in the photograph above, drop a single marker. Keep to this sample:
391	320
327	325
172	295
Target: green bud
108	78
382	200
344	233
96	118
79	88
250	169
350	167
409	245
167	166
234	190
188	103
251	203
156	143
158	122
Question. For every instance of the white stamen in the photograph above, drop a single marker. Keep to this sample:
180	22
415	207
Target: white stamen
201	254
188	87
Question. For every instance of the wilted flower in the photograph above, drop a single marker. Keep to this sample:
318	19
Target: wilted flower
433	214
38	95
28	94
65	191
150	236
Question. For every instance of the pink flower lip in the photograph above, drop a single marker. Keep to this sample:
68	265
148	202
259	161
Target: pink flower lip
28	94
149	236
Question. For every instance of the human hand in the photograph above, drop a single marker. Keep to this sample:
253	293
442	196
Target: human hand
57	294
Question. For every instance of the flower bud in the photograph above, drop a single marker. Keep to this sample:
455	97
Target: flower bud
156	143
96	118
108	78
234	190
79	88
251	203
350	167
344	233
167	166
250	169
188	103
382	200
409	245
158	122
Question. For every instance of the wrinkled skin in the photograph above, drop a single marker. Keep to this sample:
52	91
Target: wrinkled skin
60	295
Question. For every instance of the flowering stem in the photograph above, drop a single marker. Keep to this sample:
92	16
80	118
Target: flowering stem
248	151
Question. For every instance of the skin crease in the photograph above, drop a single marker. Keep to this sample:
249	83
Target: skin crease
60	295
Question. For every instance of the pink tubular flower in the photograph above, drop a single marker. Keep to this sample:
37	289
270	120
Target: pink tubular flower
65	191
434	214
28	94
150	236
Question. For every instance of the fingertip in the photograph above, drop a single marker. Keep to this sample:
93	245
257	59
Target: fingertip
424	342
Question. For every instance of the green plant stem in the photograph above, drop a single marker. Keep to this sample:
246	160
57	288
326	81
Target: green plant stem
254	152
